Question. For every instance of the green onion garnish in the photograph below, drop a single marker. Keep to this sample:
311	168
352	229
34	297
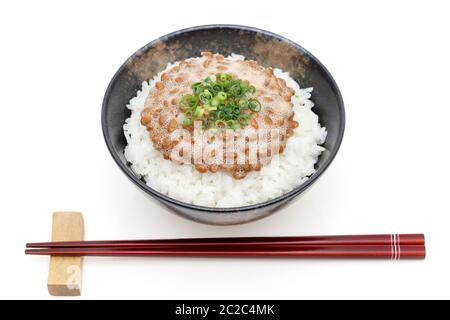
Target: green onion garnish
198	112
187	121
222	96
221	124
254	105
221	101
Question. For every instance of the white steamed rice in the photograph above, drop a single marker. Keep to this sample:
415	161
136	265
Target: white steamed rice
185	183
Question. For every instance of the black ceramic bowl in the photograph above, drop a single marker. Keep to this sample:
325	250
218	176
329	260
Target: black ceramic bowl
265	47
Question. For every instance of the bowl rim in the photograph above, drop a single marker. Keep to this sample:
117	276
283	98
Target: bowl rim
162	197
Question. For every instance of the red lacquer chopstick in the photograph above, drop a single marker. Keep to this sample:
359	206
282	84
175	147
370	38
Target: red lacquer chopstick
382	239
311	251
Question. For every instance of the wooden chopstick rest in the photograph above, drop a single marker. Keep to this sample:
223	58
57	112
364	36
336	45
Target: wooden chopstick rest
64	275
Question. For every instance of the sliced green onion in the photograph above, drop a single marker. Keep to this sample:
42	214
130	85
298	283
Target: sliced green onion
220	124
224	77
215	102
226	85
217	87
199	112
205	96
197	87
206	123
221	114
187	122
231	124
188	101
254	105
209	108
242	102
236	90
243	119
222	96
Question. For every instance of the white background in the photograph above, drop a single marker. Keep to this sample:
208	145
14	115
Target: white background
391	62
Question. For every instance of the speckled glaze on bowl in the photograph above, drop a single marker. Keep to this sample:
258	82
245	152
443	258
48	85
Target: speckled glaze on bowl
265	47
